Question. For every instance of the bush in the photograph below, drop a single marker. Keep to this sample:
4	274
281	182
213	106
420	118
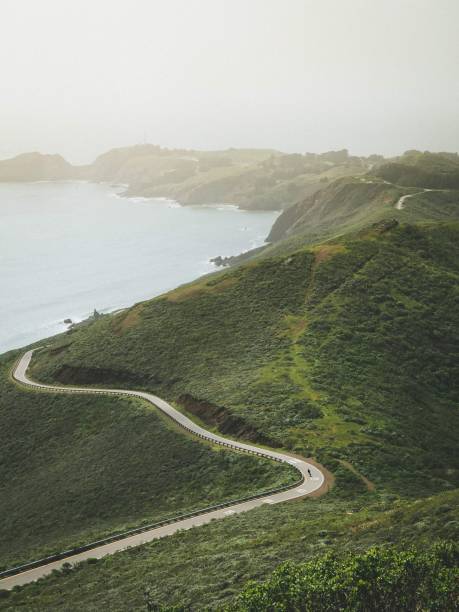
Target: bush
382	579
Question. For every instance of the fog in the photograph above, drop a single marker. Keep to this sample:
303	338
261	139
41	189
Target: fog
296	75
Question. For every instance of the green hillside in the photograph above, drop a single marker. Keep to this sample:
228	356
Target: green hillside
77	467
345	350
353	203
209	565
416	169
339	342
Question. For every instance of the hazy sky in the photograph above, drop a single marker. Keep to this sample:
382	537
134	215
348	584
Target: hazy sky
81	76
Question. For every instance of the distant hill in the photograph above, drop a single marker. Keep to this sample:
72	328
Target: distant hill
36	167
262	179
416	169
251	178
352	203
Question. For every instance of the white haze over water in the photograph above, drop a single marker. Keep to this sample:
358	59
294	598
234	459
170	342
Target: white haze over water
375	76
70	247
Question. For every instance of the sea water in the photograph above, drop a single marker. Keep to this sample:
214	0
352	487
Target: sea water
69	247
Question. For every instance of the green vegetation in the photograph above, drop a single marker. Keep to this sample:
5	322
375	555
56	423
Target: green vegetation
346	351
416	169
251	178
379	579
339	342
349	205
75	468
209	565
256	179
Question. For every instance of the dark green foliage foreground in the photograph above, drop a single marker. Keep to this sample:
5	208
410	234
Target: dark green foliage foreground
382	579
77	467
209	565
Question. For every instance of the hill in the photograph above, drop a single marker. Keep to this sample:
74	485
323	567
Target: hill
316	351
346	351
251	178
207	566
36	167
349	204
416	169
76	468
339	342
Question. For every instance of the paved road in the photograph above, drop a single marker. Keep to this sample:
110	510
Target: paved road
400	205
312	477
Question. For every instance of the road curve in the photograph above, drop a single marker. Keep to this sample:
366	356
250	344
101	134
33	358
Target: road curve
400	204
311	479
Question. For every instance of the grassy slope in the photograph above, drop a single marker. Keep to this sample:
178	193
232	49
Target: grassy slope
257	186
254	179
347	350
351	203
208	565
416	169
95	465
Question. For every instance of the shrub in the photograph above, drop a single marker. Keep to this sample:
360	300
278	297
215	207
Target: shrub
382	579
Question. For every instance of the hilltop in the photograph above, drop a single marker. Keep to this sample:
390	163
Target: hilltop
265	179
36	167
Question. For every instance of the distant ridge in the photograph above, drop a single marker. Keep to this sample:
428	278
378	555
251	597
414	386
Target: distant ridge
36	167
263	179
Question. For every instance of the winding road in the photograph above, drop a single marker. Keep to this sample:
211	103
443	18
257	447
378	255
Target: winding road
400	205
311	478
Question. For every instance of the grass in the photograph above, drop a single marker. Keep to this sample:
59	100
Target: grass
96	465
344	349
416	169
351	204
209	565
346	356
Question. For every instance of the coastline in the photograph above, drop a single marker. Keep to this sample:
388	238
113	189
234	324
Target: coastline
75	268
